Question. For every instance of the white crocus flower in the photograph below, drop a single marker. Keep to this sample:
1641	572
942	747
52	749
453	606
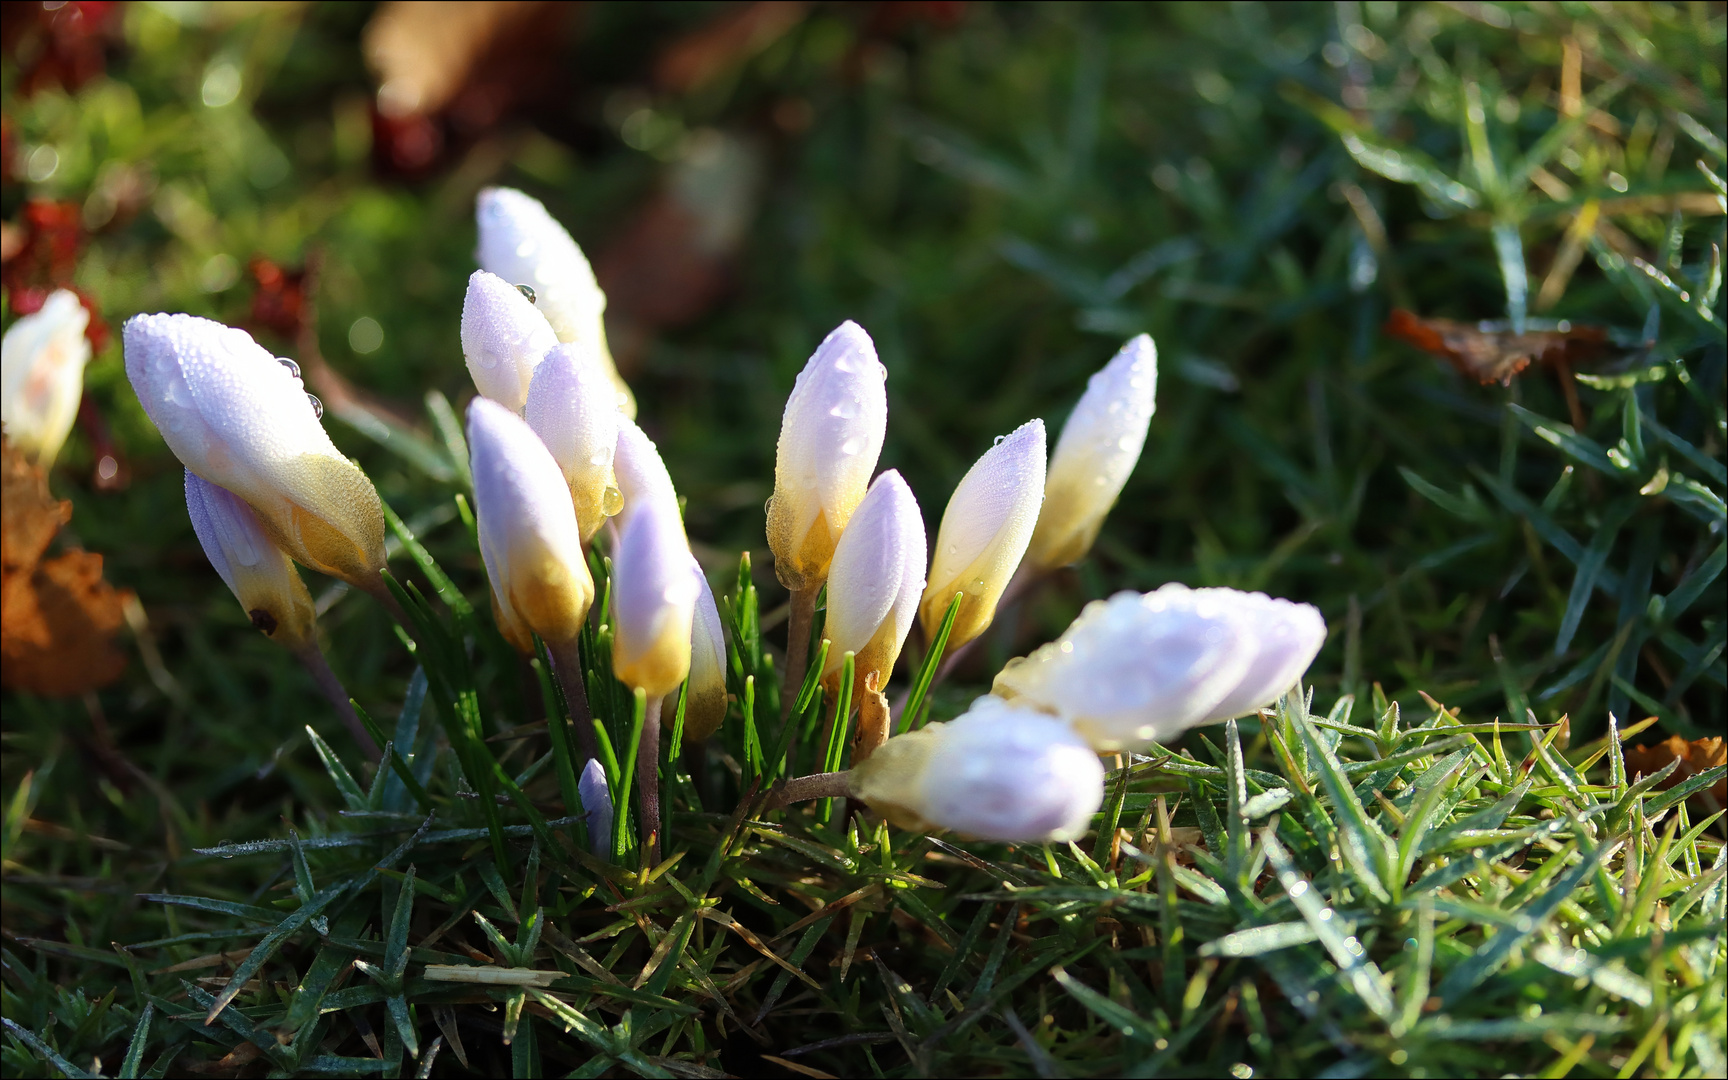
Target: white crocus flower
572	408
529	538
653	600
503	339
875	581
984	533
255	570
1099	446
42	362
525	245
1139	668
830	438
239	418
1001	771
705	707
596	796
642	475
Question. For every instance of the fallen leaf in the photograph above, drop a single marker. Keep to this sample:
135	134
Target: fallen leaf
1489	353
1695	757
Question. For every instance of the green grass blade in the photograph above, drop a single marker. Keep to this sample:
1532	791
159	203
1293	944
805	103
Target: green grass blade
927	669
1366	848
1354	968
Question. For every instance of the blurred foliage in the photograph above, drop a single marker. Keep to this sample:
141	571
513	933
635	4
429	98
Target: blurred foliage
1000	194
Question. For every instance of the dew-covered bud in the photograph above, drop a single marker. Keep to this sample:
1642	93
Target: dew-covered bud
239	418
504	339
529	538
596	796
875	581
1139	668
830	438
642	475
984	533
1001	771
653	600
42	360
525	245
573	409
255	570
1099	445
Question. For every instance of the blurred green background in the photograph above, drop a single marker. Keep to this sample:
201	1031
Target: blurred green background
1001	195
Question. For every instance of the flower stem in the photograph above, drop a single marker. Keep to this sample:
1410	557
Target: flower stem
797	647
311	657
648	777
826	785
567	668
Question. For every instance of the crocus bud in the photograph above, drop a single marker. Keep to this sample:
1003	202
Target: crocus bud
572	408
1099	445
596	798
503	339
642	475
529	539
875	581
1139	668
525	245
829	441
984	533
241	419
42	362
705	706
653	600
1000	772
256	571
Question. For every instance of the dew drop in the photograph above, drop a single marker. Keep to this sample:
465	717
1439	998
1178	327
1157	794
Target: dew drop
851	446
1126	442
843	364
846	410
611	500
526	290
293	368
526	248
602	456
317	406
1298	889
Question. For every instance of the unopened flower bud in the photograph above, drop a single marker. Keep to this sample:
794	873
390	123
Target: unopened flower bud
875	581
529	538
642	475
503	339
830	438
653	600
984	533
999	772
42	362
240	419
1139	668
596	796
705	704
1099	445
572	408
525	245
255	570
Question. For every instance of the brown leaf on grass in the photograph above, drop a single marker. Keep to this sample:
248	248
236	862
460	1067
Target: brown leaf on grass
1695	757
58	616
1488	354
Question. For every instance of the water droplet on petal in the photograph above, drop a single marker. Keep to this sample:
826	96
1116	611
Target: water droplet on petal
525	249
526	290
846	410
611	500
317	406
602	456
851	446
293	368
843	364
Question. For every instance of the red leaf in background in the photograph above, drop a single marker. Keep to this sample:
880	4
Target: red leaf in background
62	45
43	258
279	305
1696	756
1491	355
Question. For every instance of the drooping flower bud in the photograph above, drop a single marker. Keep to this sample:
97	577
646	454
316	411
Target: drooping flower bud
705	709
525	245
1144	667
572	408
596	796
503	339
42	362
642	475
255	570
529	538
241	419
875	581
999	772
830	438
653	600
1099	445
984	533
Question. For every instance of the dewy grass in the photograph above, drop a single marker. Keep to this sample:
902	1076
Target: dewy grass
1427	874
